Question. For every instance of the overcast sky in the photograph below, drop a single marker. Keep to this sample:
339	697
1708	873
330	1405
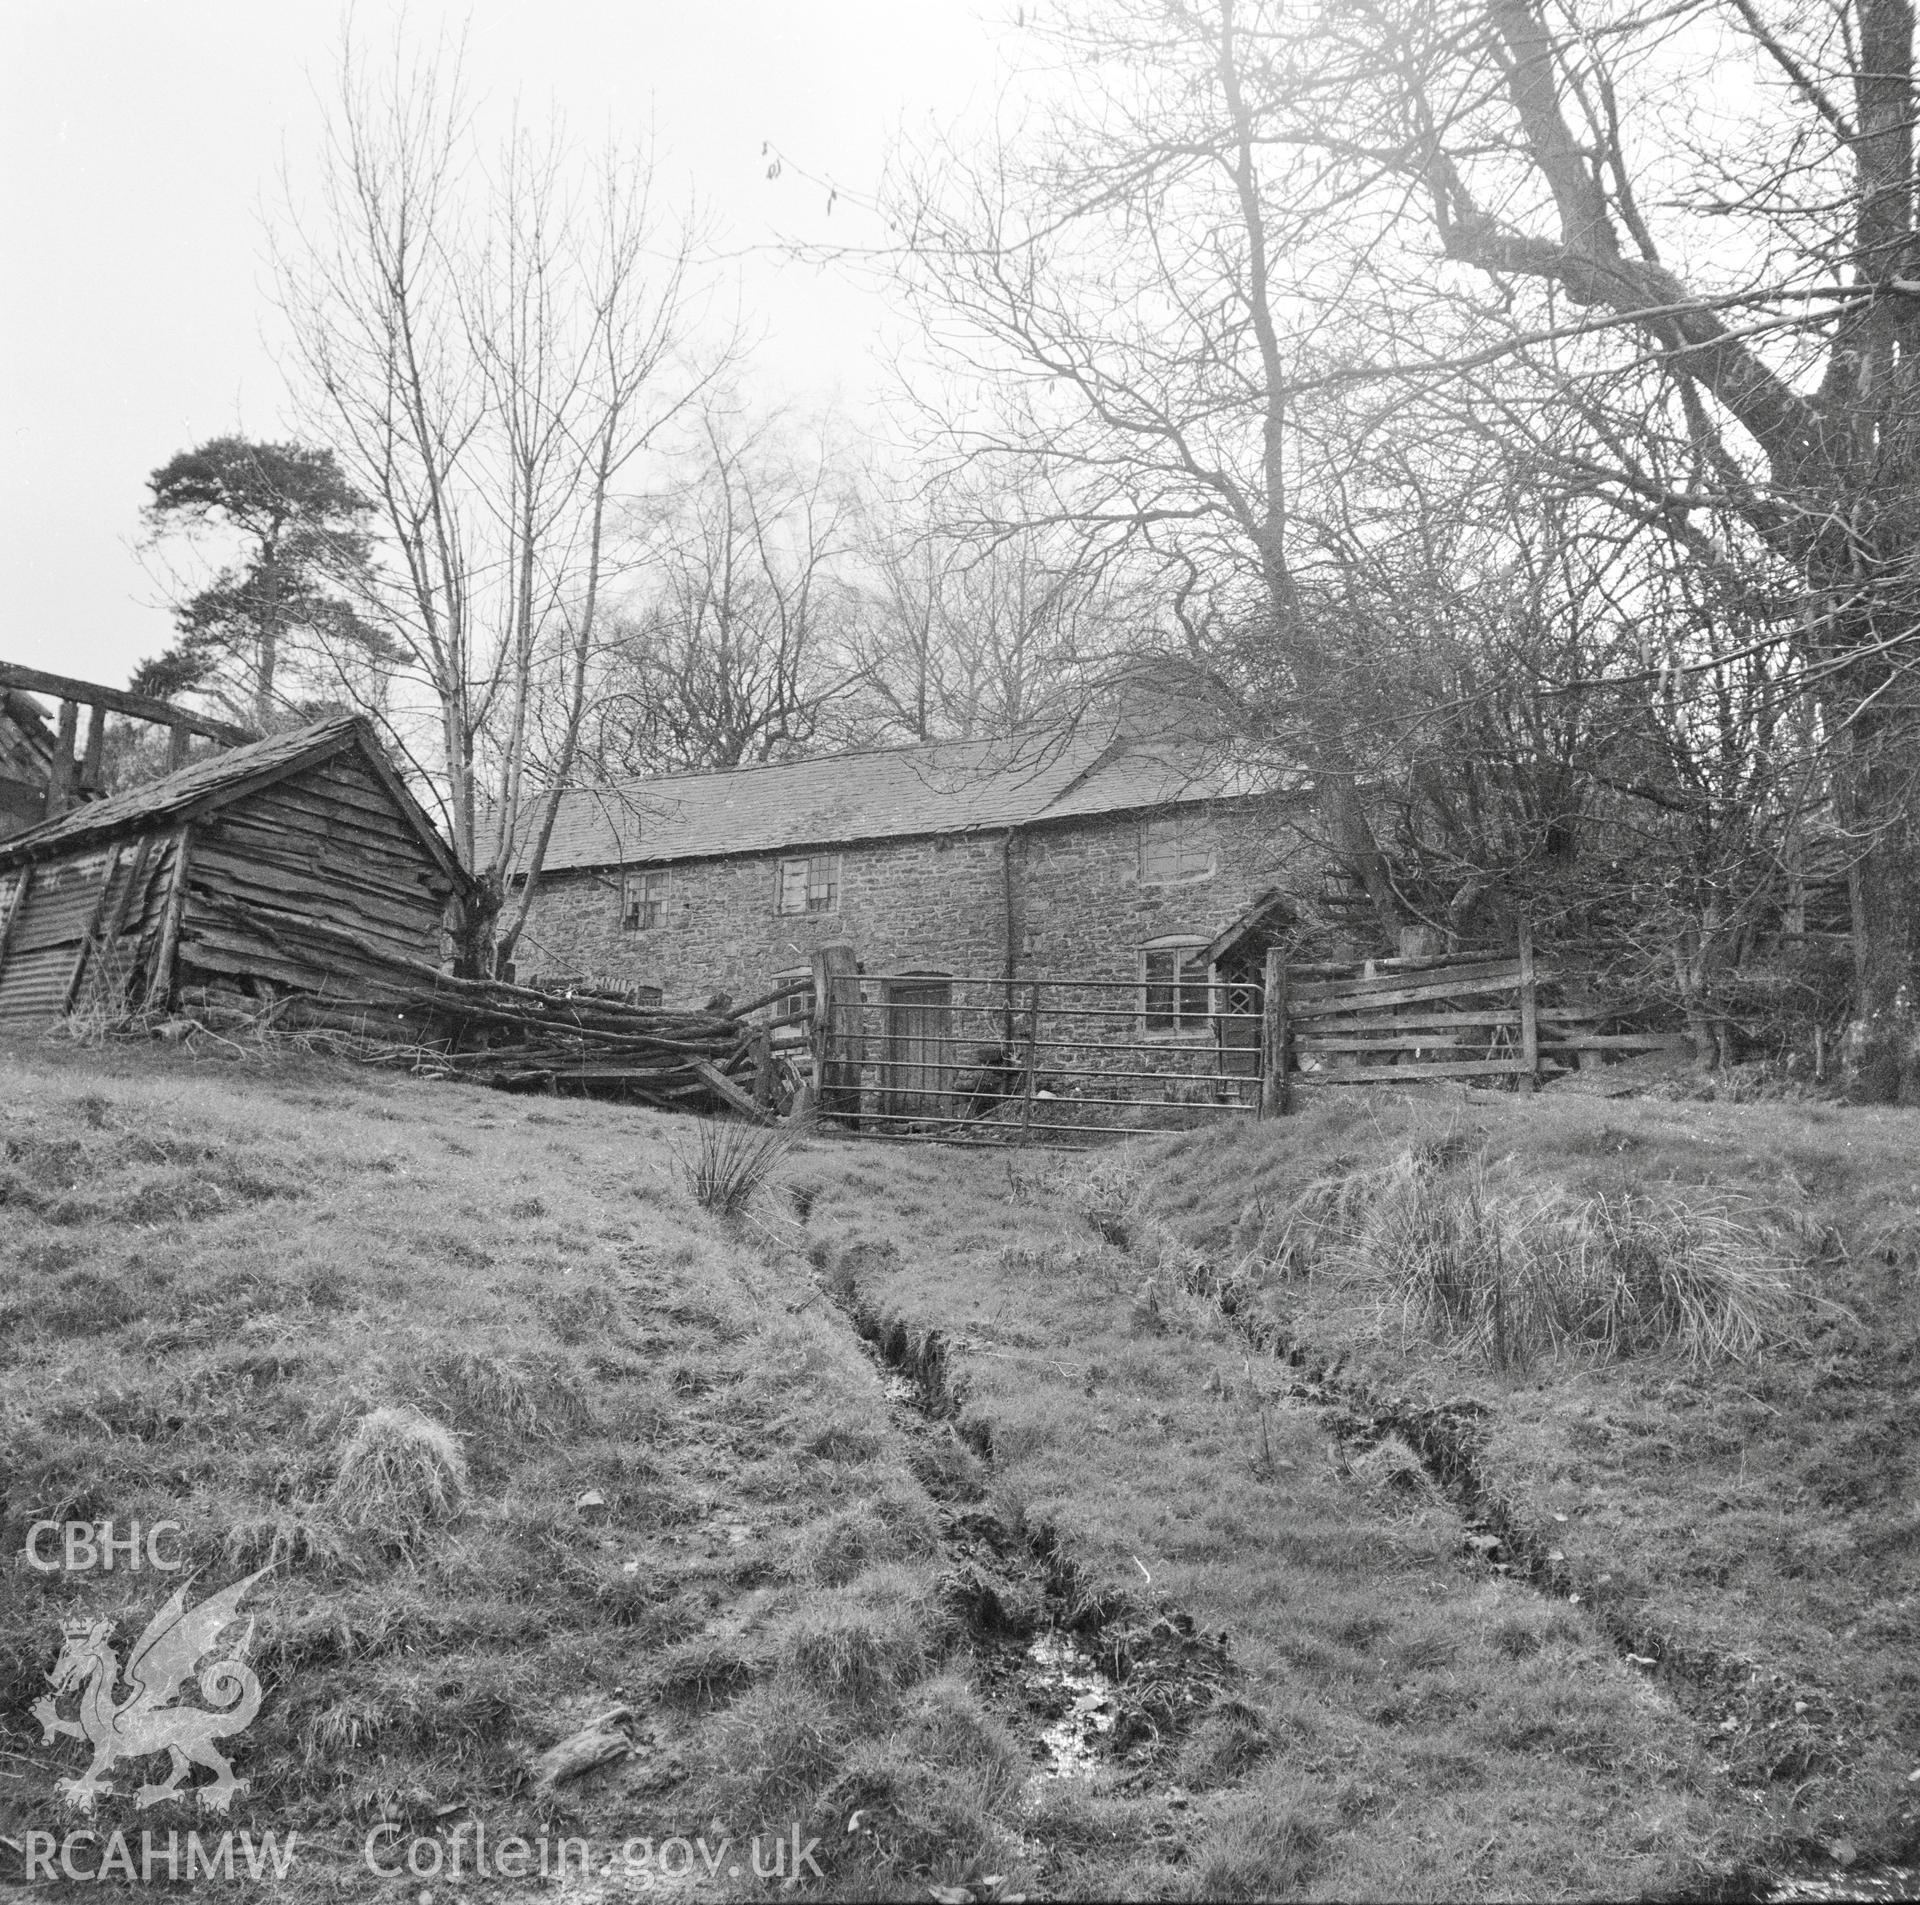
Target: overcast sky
142	144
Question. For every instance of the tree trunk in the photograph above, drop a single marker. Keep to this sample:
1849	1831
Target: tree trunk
1882	803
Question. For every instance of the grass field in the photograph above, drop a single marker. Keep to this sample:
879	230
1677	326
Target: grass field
527	1436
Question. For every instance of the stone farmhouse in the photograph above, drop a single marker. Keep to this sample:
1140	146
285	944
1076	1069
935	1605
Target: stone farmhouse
1096	855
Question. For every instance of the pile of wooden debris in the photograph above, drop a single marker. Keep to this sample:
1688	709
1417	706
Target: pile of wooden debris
517	1038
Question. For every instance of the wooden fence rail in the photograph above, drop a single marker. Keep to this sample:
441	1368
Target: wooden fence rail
1396	1021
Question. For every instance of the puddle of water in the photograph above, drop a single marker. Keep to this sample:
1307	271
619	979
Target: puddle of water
1057	1669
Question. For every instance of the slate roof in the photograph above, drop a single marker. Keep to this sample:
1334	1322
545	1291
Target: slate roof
941	787
205	785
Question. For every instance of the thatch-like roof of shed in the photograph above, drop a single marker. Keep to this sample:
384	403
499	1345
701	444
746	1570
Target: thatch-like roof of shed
204	787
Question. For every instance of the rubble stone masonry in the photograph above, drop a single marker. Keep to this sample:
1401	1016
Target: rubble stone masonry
932	904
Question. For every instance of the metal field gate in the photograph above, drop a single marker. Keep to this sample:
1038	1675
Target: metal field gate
951	1057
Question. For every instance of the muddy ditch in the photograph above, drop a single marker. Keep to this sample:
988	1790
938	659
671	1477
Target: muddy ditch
1088	1675
1754	1717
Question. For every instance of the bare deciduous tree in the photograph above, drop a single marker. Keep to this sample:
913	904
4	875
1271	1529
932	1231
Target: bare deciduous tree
488	347
735	641
1478	206
975	620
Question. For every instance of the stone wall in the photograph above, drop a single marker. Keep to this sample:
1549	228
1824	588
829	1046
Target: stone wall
930	904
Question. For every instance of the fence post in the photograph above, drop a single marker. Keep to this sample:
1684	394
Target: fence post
1529	1011
763	1068
836	1032
1274	1092
1033	1055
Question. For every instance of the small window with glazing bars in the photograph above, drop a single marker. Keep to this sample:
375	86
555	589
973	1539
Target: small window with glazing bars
643	900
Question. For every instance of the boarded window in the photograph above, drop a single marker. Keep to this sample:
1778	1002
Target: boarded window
1173	987
811	885
1173	849
643	901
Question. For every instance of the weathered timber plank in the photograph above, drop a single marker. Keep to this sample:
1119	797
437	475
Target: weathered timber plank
92	927
332	879
1411	994
1411	1020
209	951
1617	1042
111	969
400	796
332	949
160	982
1275	1043
337	808
246	878
37	681
1407	1074
1529	1008
1473	972
1375	1042
350	787
301	811
302	855
725	1089
306	820
305	855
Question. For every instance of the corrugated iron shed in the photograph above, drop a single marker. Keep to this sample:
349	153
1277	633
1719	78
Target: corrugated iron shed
299	861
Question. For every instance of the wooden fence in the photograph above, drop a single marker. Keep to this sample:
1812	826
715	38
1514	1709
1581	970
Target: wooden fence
1466	1016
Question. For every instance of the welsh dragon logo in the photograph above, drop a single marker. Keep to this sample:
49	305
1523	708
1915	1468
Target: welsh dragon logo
147	1720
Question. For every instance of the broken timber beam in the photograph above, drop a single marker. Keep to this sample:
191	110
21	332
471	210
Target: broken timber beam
142	707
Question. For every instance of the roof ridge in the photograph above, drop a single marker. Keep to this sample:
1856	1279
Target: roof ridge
1065	734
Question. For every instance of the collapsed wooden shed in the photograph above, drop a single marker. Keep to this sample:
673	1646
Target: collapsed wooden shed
299	861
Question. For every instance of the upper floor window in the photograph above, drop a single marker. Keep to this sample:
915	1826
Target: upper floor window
643	900
1175	848
1174	988
811	885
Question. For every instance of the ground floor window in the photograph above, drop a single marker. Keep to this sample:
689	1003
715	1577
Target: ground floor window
794	1008
1174	989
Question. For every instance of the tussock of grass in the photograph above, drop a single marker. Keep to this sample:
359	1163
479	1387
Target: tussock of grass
840	1547
259	1541
1260	1849
399	1472
934	1798
1514	1273
488	1391
1393	1473
853	1653
729	1162
773	1749
1515	1277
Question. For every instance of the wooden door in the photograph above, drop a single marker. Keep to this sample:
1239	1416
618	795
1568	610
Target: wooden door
919	1060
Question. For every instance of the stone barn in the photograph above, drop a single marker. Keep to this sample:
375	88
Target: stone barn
1100	854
